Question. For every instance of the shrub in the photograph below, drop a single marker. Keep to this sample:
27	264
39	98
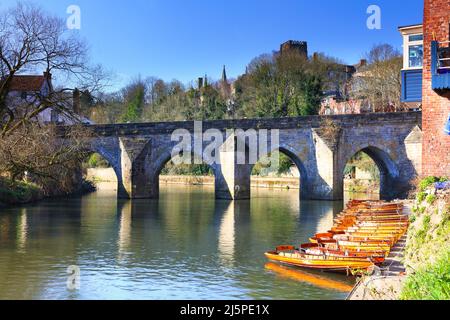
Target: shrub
425	183
431	282
431	198
88	186
96	161
14	192
426	222
428	181
421	196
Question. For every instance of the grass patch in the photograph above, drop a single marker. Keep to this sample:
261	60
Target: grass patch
421	196
431	282
426	222
430	198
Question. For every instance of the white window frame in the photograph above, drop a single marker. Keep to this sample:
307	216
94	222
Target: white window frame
407	44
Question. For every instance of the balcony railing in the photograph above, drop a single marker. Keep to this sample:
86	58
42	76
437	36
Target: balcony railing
440	65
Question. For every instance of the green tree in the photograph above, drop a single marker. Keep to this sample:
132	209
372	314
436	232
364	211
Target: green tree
380	82
279	86
312	94
134	101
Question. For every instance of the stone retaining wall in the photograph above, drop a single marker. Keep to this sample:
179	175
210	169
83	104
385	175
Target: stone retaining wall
108	175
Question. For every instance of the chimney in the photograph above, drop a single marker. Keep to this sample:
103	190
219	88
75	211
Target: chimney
315	56
76	101
48	76
362	62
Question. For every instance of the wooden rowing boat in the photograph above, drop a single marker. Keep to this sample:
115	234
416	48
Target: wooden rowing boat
373	228
337	245
349	237
315	249
322	262
370	233
362	236
371	217
354	241
358	252
392	229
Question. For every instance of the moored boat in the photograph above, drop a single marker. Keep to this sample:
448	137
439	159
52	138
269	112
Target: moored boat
322	262
362	236
315	249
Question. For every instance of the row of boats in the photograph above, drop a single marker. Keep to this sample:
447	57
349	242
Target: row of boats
362	237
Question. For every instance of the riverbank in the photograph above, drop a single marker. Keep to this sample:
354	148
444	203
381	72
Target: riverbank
14	193
108	175
273	182
18	192
417	268
386	282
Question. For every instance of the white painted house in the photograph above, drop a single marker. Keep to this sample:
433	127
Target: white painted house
24	89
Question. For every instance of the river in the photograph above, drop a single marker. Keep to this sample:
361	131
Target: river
186	245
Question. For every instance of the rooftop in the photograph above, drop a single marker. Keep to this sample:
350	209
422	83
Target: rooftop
412	26
27	82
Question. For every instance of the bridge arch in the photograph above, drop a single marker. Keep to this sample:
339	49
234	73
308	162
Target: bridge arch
109	150
291	154
160	163
387	167
167	156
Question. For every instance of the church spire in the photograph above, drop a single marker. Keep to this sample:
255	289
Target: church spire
224	75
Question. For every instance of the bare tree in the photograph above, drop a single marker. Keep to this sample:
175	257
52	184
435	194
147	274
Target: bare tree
380	83
53	165
31	41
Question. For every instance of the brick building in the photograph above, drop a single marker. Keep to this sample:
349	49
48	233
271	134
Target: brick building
436	88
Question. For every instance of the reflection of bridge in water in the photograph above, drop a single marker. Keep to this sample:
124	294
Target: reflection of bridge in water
184	232
232	222
138	152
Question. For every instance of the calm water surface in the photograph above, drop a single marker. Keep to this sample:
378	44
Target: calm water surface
186	245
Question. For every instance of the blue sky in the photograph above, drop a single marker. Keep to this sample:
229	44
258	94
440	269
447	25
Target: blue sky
184	39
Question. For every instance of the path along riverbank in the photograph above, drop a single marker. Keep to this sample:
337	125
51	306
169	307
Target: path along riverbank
417	267
385	282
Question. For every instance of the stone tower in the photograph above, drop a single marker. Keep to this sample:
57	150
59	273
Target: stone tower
300	47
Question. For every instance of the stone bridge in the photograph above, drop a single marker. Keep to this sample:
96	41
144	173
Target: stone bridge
320	146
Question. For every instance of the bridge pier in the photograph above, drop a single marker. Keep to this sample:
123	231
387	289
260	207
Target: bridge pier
325	183
232	180
136	182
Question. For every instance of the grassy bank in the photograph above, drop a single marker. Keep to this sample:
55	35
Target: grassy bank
20	192
427	252
15	192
